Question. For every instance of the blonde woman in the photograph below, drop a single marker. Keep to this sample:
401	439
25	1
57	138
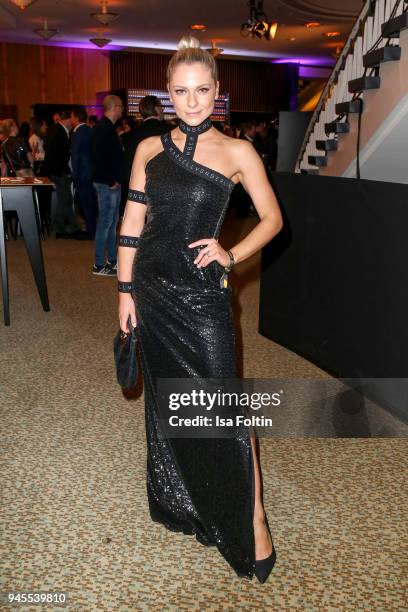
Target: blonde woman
170	264
14	151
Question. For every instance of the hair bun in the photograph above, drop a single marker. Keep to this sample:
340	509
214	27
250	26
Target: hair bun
188	42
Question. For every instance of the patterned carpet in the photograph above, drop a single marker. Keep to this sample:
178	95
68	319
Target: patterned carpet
74	508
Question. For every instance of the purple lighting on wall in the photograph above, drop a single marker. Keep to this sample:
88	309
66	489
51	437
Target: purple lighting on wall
305	61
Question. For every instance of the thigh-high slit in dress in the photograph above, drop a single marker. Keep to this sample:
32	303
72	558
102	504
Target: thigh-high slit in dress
184	317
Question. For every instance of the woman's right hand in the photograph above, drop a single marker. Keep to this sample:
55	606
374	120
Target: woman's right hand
126	309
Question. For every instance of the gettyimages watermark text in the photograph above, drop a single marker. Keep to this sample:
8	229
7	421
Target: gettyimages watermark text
278	407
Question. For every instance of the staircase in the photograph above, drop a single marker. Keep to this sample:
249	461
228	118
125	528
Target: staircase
359	128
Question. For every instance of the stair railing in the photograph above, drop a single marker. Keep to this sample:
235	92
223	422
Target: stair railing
345	69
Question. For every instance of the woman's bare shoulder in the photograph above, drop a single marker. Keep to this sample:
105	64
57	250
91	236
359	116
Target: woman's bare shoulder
237	147
149	147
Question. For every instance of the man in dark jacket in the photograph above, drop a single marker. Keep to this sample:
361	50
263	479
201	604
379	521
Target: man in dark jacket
107	175
81	163
153	125
56	162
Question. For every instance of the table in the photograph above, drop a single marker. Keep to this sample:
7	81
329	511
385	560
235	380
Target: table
19	195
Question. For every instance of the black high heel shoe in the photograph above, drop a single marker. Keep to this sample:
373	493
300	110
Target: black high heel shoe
263	567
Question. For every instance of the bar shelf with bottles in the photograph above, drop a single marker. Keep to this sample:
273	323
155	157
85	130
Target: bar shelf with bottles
133	97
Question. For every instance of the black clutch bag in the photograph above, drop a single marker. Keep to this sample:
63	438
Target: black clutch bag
125	352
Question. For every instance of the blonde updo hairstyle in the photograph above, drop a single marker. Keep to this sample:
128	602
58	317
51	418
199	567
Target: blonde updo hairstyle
189	51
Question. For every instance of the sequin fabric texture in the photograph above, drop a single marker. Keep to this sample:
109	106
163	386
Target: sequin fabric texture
201	486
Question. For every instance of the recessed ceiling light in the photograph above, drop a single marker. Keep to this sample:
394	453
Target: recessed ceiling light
331	34
23	4
105	16
199	26
45	32
100	42
291	38
214	50
312	24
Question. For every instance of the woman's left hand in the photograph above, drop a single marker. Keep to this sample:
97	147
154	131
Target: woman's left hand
212	251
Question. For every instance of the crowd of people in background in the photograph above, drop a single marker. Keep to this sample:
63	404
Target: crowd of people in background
89	160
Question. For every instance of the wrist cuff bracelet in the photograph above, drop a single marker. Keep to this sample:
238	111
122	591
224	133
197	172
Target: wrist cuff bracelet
231	262
129	241
124	287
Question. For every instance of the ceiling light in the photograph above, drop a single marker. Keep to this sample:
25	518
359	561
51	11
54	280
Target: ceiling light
104	16
199	26
272	29
337	53
214	50
292	38
258	24
312	24
100	42
22	4
45	32
331	34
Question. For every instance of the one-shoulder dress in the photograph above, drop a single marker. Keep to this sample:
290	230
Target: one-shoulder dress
196	486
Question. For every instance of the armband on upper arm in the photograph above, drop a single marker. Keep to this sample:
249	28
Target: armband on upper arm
134	195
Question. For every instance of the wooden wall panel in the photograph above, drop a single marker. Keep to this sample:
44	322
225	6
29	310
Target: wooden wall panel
138	70
32	74
23	82
92	74
56	75
253	86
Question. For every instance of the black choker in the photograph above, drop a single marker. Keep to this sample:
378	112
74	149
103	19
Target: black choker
195	129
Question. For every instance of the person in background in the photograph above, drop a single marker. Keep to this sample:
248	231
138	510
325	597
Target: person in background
120	127
3	167
125	125
17	158
38	129
81	164
240	198
228	130
273	133
266	143
130	123
261	135
24	133
107	175
153	123
92	120
56	163
151	110
248	131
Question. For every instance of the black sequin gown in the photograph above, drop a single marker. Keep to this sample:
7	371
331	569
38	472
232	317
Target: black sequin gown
196	486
